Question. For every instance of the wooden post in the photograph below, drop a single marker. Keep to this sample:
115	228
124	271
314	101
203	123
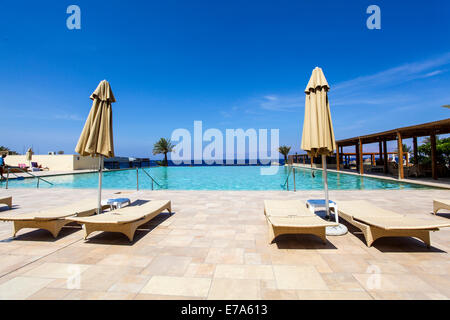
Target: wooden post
400	155
312	160
337	158
416	155
361	160
433	156
380	150
372	158
385	157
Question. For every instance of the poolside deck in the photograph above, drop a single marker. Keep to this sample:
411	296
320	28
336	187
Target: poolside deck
215	246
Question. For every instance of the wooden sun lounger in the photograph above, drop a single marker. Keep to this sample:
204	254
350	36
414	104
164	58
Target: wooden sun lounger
125	220
439	204
7	201
376	222
52	219
292	217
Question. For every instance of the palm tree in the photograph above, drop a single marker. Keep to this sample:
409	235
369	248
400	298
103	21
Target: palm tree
406	148
284	150
7	150
163	146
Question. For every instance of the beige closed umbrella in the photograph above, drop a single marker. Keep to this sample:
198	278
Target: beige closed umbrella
29	156
96	139
318	134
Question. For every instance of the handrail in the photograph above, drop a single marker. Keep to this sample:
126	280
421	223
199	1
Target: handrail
286	183
148	175
20	169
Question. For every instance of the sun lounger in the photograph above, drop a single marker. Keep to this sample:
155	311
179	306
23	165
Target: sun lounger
125	220
376	222
52	219
7	201
439	204
292	217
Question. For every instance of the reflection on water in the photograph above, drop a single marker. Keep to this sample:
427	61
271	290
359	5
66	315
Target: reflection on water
216	178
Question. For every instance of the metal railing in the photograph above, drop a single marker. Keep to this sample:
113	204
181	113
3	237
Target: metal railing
20	169
148	175
286	183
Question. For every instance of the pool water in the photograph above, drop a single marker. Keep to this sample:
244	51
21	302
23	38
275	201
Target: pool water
215	178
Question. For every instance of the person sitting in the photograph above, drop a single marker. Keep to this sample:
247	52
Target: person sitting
2	166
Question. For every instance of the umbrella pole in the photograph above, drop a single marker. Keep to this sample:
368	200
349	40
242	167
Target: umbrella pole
100	168
325	182
325	178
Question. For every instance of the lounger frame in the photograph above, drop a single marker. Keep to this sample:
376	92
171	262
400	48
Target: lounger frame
53	226
128	229
275	231
372	233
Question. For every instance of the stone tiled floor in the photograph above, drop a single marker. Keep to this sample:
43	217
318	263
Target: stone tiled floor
215	246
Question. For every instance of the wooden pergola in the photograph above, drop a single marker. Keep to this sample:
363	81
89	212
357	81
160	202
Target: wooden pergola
430	129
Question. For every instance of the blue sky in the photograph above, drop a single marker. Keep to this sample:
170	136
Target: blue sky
231	64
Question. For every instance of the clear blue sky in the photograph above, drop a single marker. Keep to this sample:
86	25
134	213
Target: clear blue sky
231	64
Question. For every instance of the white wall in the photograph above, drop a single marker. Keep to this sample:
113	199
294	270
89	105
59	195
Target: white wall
62	162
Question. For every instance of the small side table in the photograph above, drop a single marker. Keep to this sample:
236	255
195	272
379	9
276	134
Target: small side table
116	203
312	204
338	230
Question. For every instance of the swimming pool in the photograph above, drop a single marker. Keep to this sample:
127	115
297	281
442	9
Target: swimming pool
215	178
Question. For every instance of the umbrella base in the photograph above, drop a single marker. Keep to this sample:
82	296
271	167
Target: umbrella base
338	230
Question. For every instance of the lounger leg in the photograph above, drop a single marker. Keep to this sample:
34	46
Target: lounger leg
9	202
435	208
55	231
369	233
271	233
130	236
16	228
130	231
425	237
87	231
322	235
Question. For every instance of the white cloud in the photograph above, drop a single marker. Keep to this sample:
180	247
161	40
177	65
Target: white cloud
72	117
433	73
397	75
282	103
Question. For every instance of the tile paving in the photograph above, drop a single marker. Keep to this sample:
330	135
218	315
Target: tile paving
216	246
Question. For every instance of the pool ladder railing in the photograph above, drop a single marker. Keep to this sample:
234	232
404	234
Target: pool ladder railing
20	169
148	175
286	183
